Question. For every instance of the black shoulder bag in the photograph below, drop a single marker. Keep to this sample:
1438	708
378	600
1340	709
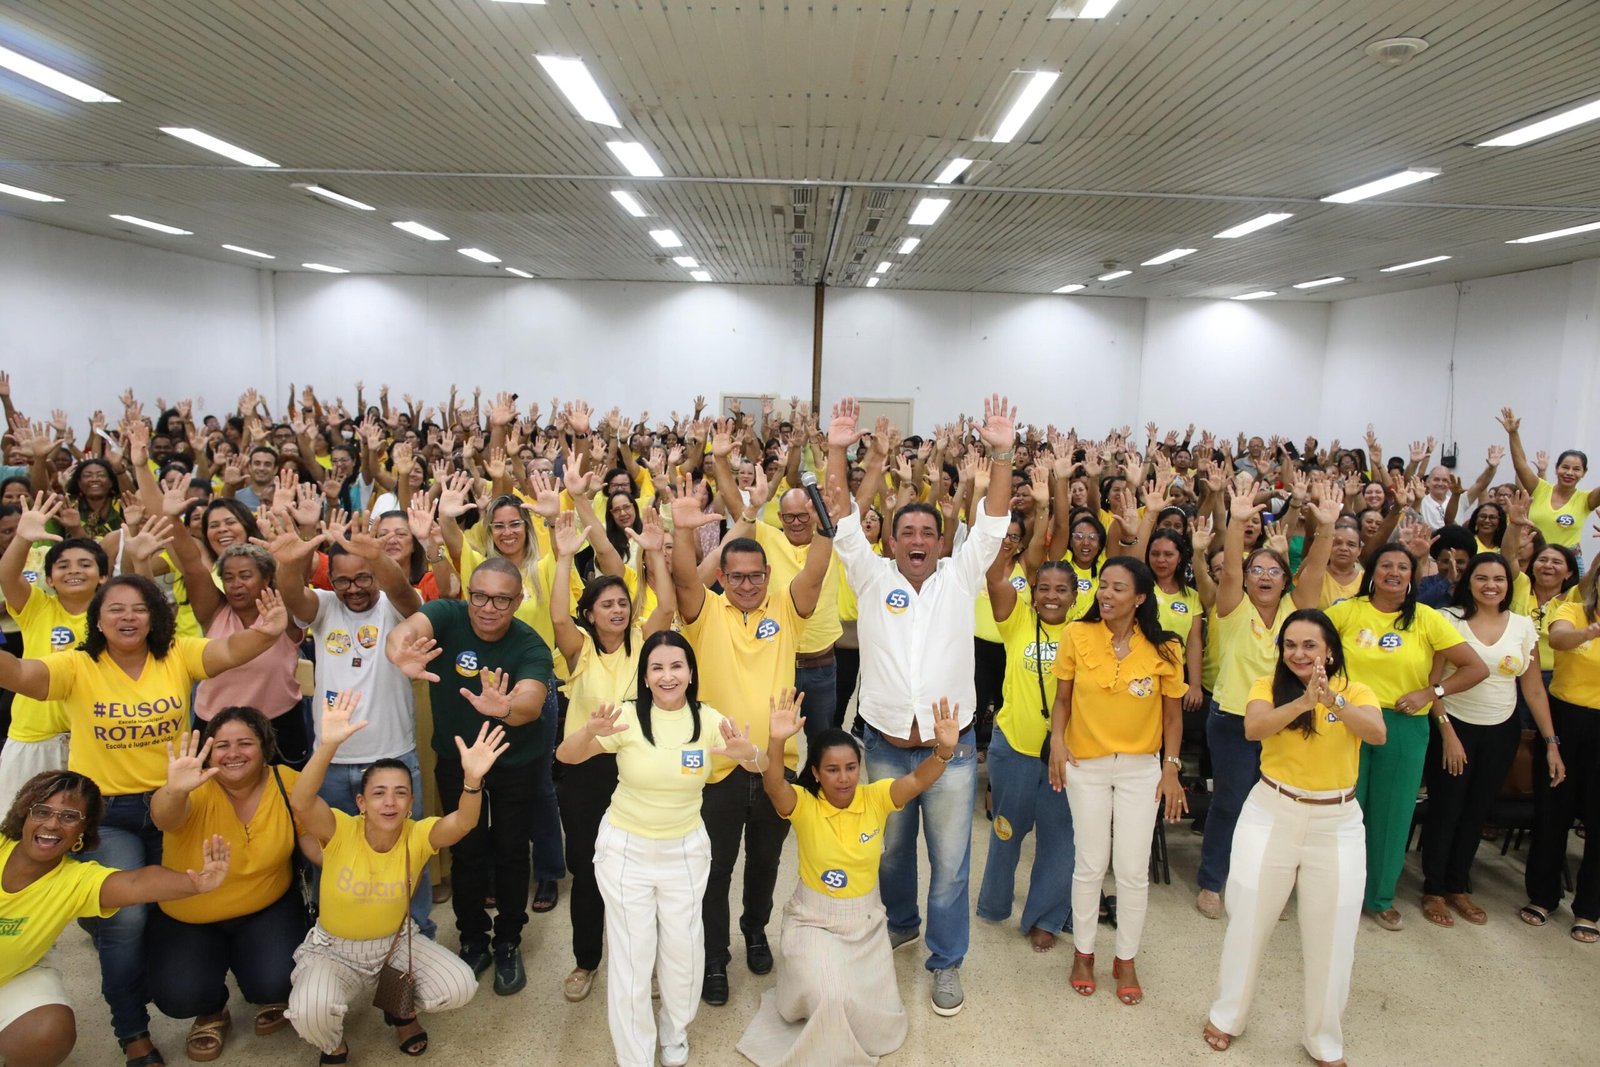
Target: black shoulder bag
301	871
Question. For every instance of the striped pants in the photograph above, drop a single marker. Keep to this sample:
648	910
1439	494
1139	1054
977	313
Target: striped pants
333	974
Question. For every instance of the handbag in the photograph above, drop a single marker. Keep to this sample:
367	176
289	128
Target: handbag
301	871
396	994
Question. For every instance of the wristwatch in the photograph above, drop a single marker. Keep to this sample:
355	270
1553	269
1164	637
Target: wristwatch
1438	692
1175	761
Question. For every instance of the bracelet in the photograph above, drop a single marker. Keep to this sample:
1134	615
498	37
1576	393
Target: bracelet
1006	456
943	759
434	559
1127	544
474	790
1175	761
1552	740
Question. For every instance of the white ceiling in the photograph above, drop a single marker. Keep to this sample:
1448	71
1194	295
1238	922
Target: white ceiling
1172	120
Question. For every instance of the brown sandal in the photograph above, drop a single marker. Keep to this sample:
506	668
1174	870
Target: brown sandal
1217	1039
205	1040
1464	906
270	1019
1435	911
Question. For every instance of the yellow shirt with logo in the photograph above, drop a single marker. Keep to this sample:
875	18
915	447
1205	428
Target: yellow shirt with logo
840	847
745	658
1563	525
659	780
120	726
1393	662
1331	757
1542	615
1030	662
1577	677
46	627
33	917
258	863
1246	649
1116	703
364	891
1088	586
983	613
823	628
1180	611
601	678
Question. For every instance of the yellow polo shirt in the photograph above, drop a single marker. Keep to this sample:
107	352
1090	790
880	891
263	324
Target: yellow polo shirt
1577	677
744	659
840	847
1116	704
823	628
364	891
1393	662
1331	757
659	781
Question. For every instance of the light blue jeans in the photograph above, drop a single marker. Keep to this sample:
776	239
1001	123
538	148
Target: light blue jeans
945	811
340	788
1024	801
128	840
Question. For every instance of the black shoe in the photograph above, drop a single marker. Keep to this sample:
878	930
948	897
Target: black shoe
714	990
545	896
757	953
509	977
477	956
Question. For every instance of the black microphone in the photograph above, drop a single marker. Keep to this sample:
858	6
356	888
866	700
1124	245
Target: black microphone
808	482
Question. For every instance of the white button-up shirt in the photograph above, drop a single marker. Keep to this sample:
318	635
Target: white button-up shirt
916	646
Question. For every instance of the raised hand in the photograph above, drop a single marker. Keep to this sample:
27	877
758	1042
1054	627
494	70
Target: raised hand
46	506
603	722
495	700
272	618
946	724
653	538
999	429
419	518
476	760
152	538
1508	420
686	513
214	855
565	536
1541	462
1242	503
414	654
336	725
186	765
736	744
842	431
785	720
1200	537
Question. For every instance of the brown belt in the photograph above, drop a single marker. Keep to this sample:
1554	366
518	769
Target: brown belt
1301	798
807	660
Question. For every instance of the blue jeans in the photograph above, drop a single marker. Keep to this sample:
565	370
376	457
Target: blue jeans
1024	801
549	859
946	812
340	788
821	687
1235	766
128	839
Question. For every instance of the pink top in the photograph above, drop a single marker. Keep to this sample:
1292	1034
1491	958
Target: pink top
267	683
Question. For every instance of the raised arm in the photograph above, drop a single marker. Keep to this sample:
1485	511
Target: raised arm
785	722
1307	591
31	528
687	517
1230	590
186	772
394	582
154	884
293	555
652	542
272	618
475	764
566	539
946	735
1527	477
311	812
582	744
806	589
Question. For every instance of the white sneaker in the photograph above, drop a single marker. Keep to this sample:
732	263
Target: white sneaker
675	1055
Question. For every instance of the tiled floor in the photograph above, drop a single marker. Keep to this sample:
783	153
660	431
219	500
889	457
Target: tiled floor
1500	995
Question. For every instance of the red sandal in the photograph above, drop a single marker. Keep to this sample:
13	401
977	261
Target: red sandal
1084	987
1131	993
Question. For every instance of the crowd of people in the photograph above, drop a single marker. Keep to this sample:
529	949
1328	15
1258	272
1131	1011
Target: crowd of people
645	648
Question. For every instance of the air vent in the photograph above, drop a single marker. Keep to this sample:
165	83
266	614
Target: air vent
872	224
800	240
878	200
802	199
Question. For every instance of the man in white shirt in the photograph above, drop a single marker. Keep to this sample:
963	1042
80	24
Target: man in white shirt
1432	506
916	628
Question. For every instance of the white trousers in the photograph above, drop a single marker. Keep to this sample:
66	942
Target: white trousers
652	889
1113	801
1277	844
21	760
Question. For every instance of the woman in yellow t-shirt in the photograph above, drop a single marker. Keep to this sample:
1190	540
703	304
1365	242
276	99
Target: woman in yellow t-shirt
1558	508
652	857
44	885
1085	547
371	864
1343	578
1117	709
600	646
836	996
1301	825
222	784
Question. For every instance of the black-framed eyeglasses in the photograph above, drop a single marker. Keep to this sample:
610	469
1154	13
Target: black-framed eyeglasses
753	578
500	602
358	581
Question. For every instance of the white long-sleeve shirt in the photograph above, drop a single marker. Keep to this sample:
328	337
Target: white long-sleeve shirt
916	646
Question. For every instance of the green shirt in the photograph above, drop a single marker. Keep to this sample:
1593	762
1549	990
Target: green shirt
521	653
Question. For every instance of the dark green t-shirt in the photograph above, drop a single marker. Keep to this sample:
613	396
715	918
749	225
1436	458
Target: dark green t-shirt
521	653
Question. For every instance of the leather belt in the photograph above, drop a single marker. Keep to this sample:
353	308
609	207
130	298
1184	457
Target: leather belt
1301	798
807	660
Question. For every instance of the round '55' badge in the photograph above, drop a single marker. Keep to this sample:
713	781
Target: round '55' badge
467	664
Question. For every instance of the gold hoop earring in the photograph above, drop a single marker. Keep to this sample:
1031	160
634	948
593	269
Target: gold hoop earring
78	845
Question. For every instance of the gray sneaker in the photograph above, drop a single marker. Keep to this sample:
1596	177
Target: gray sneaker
902	937
947	996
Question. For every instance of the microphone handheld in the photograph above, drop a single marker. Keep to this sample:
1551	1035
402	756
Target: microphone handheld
808	482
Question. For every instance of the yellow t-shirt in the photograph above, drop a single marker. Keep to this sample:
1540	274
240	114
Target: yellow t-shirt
659	781
364	891
1577	677
46	627
983	613
120	727
1088	586
1563	526
1247	648
849	606
744	660
1393	662
601	678
1030	661
258	865
32	919
1180	611
1334	590
1116	704
823	628
536	596
840	847
1331	757
1542	616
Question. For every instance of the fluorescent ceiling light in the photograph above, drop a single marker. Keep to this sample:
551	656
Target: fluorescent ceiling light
417	229
700	275
518	273
1415	263
666	238
629	202
908	246
338	198
927	211
1382	185
872	283
29	194
1565	120
883	268
1083	9
1317	283
686	261
1037	83
53	79
159	227
1168	257
478	254
324	268
1073	288
635	157
580	88
1113	276
518	2
242	250
952	171
1257	295
219	146
1260	222
1553	234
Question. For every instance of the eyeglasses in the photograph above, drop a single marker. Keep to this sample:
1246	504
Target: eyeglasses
1085	535
64	817
1266	572
478	600
516	526
753	578
359	581
794	520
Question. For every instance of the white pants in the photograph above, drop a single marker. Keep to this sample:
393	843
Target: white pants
1276	844
1104	793
21	760
652	889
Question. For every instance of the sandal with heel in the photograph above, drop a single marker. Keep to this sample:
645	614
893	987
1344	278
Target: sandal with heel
417	1043
1131	993
153	1058
1084	987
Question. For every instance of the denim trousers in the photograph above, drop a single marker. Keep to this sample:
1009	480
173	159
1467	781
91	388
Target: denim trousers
1235	767
128	839
1024	801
